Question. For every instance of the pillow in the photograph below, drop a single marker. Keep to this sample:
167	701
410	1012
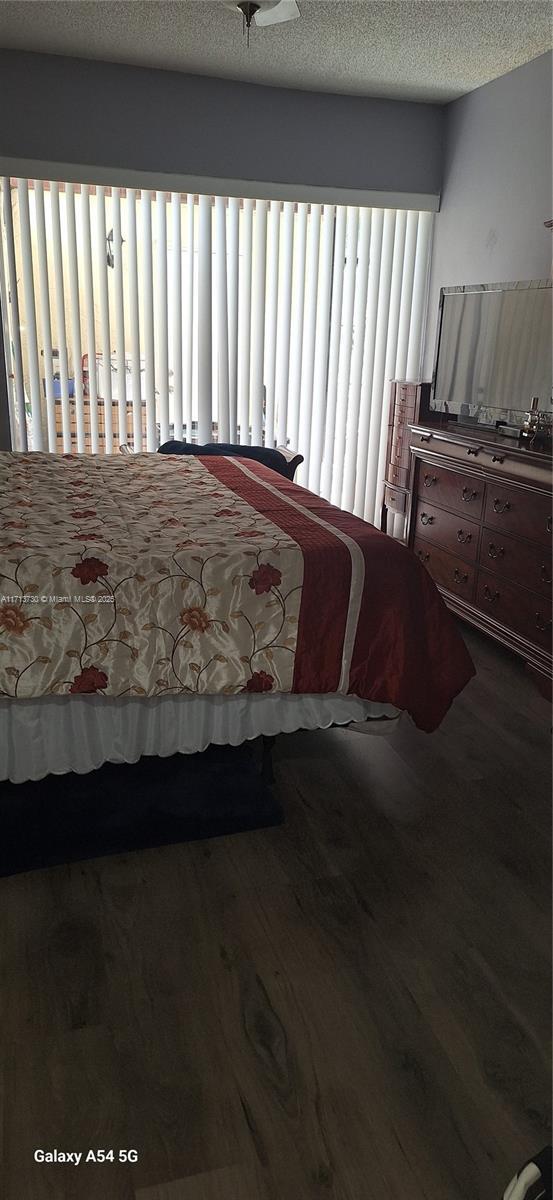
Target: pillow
263	454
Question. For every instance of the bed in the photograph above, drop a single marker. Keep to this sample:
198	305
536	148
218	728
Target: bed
151	604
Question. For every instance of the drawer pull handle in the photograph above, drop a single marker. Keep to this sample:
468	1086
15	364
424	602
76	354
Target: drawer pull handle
541	624
501	506
429	480
475	450
495	551
463	537
549	524
491	597
458	577
423	557
544	574
426	519
468	495
425	437
498	458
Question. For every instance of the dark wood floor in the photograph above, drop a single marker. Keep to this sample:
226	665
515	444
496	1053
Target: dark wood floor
353	1006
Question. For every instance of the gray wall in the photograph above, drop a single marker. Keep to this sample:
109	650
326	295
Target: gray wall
66	110
497	189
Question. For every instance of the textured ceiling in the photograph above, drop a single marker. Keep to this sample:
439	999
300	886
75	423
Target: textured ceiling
433	50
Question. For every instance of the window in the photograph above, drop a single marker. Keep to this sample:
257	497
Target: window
132	316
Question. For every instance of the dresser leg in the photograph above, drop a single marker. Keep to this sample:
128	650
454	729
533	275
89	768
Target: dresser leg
384	518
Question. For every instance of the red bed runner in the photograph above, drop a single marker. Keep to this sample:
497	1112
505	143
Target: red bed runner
407	650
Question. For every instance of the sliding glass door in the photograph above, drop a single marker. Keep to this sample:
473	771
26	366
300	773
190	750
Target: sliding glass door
131	317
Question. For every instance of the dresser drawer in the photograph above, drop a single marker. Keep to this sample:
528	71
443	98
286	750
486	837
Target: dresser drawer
520	610
399	457
513	510
397	475
401	434
400	438
447	570
395	499
516	560
404	411
400	449
447	530
463	493
406	392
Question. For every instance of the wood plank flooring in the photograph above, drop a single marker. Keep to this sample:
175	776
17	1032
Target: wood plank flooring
353	1006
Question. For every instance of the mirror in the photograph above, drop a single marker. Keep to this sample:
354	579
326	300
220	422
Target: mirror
494	352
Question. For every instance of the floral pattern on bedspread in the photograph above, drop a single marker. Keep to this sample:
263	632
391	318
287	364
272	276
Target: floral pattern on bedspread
140	575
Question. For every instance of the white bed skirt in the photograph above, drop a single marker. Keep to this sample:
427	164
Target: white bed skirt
57	734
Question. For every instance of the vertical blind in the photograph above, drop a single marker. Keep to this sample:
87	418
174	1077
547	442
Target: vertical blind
132	317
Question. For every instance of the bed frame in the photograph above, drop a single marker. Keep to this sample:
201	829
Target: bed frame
130	806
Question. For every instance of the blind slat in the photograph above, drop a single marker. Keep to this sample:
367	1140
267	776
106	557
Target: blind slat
271	318
284	322
15	440
322	334
176	289
296	341
233	239
375	253
148	319
30	312
310	324
205	430
189	318
223	413
45	320
104	347
406	294
244	322
134	322
381	335
61	334
120	356
259	284
16	320
391	350
334	349
352	230
420	279
161	326
74	298
357	356
88	288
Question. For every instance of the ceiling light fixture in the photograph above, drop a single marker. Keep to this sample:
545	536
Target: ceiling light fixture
248	10
264	13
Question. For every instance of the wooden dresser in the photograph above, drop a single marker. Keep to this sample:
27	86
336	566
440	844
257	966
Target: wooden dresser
480	521
408	402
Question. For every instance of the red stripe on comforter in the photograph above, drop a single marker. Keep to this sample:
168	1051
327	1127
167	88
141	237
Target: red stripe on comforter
326	580
408	651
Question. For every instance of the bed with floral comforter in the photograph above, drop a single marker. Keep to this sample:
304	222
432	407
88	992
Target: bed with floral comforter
156	575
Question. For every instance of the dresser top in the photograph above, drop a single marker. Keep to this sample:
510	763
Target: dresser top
450	431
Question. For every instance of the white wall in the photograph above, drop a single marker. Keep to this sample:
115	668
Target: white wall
497	189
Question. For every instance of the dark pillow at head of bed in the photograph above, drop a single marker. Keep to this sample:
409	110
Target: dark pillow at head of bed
262	454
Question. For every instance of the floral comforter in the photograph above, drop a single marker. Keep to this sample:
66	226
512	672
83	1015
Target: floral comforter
155	574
